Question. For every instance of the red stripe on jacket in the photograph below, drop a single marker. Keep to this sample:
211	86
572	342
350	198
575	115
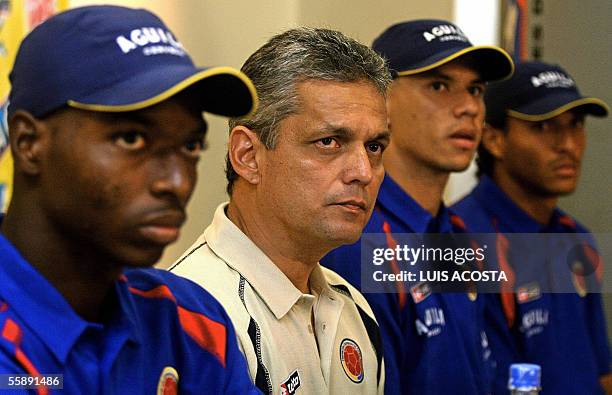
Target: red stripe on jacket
507	288
13	334
209	334
391	243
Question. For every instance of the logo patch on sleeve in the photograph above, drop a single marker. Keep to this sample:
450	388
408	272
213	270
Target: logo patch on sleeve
578	279
352	362
290	386
420	292
528	292
168	382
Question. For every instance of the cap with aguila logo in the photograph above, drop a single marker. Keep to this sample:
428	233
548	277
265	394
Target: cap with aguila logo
417	46
536	92
116	59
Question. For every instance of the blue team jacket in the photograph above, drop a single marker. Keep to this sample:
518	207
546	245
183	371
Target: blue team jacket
166	334
564	332
433	344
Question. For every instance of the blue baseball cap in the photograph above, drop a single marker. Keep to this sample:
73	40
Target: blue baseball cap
116	59
417	46
536	92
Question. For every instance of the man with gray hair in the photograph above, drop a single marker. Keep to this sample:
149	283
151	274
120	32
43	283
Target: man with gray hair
303	174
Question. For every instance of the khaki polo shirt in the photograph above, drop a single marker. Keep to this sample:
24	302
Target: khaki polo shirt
274	320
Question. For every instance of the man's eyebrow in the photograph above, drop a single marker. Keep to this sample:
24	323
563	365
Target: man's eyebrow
202	128
437	74
142	119
346	133
129	117
578	113
336	130
384	135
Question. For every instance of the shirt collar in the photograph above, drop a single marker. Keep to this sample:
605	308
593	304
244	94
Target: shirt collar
406	210
515	219
318	283
242	254
43	309
127	314
561	222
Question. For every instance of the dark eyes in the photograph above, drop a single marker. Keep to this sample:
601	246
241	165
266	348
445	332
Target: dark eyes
195	147
375	147
476	90
327	143
578	123
131	141
135	141
541	126
546	126
439	86
332	143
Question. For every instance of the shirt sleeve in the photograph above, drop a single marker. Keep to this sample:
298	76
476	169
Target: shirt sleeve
218	367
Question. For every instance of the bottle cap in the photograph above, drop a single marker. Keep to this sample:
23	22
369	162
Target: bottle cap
524	377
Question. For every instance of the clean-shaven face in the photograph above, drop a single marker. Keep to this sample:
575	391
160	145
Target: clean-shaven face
437	116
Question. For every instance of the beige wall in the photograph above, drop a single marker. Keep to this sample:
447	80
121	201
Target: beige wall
227	32
364	20
584	50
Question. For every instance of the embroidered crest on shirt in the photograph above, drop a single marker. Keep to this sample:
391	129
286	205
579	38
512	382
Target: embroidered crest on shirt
431	323
420	292
578	278
528	292
352	362
290	386
168	382
534	322
472	292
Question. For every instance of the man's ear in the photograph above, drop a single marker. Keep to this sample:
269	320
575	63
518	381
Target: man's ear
28	138
493	140
244	153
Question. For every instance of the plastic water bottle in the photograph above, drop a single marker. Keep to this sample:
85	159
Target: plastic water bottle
524	379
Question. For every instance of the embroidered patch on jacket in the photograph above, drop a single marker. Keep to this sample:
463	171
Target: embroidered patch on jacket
352	362
290	386
528	292
420	292
472	292
578	278
168	382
